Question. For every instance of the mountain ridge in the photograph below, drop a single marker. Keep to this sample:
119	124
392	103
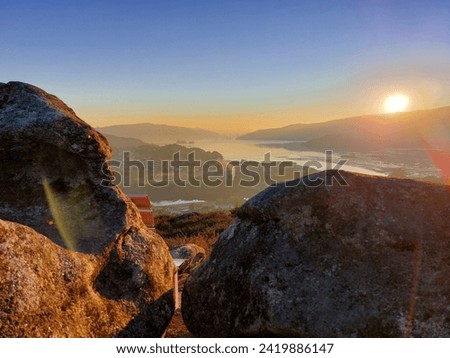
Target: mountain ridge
123	142
363	133
158	133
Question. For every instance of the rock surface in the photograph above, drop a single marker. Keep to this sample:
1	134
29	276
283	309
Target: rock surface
370	259
48	291
53	165
191	253
104	274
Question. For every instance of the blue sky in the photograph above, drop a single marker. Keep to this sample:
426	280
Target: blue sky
216	64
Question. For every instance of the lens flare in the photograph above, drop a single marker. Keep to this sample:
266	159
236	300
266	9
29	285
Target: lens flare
441	160
60	219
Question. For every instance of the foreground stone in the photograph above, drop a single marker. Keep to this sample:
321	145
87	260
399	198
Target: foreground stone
370	259
104	274
53	165
48	291
193	255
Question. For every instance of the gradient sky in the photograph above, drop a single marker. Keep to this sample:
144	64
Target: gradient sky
228	65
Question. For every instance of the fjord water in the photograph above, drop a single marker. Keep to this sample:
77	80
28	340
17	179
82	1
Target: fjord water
234	149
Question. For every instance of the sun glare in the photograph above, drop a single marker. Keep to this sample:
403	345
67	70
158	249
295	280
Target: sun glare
396	103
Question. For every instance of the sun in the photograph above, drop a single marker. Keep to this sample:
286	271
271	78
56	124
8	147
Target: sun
396	103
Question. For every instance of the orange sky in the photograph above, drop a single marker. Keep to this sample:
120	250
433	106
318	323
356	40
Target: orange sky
354	97
229	66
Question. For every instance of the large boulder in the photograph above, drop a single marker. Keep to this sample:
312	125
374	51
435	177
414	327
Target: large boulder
322	258
105	274
54	175
49	291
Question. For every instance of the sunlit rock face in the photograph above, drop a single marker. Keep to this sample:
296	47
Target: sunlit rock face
49	291
333	255
55	179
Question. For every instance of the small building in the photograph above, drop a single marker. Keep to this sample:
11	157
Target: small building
142	201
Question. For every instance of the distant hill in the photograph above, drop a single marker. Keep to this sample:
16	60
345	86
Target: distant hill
158	133
371	132
167	152
123	142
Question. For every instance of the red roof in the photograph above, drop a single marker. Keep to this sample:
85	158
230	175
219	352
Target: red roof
141	201
145	208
